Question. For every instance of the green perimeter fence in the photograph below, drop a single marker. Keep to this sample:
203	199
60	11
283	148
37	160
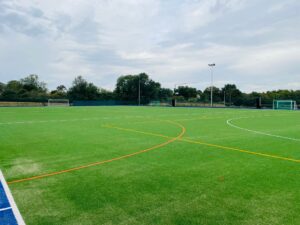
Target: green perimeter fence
102	103
165	103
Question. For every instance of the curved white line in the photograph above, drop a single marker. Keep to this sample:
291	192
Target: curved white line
257	132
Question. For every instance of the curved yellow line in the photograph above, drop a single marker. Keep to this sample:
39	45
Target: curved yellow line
183	130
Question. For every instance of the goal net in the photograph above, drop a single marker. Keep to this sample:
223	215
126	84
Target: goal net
58	102
285	104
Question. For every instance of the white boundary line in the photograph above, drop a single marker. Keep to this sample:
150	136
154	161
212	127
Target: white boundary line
229	122
106	118
4	209
12	203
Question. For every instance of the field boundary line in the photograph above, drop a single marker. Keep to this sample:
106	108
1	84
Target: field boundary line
229	122
102	118
213	145
183	130
50	121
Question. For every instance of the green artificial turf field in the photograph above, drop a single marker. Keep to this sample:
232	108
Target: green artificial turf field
169	165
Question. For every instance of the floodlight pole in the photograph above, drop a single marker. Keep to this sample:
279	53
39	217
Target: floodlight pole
211	87
139	89
224	97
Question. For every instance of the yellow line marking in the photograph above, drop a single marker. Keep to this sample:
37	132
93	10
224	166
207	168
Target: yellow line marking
211	145
136	131
202	118
177	120
183	130
241	150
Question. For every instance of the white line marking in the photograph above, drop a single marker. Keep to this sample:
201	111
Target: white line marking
100	118
229	122
4	209
11	201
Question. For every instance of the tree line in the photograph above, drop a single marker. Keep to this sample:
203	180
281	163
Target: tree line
128	87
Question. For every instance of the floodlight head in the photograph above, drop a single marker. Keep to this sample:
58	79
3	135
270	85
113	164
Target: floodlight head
212	64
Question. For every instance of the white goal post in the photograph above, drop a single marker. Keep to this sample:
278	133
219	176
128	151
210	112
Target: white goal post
285	104
58	102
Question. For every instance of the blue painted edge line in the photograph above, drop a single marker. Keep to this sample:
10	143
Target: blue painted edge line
8	217
11	214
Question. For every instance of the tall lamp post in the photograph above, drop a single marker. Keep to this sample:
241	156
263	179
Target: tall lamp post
224	97
139	89
212	80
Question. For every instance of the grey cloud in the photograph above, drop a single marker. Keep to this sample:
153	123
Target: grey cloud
20	23
13	21
253	43
35	12
86	31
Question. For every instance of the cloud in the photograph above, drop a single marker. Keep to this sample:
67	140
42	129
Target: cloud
273	58
173	41
200	13
277	7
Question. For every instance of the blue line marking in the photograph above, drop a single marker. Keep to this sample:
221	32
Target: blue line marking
4	203
7	217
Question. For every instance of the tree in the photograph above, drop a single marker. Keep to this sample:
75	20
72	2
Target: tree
60	92
32	88
13	90
106	94
27	88
32	83
82	90
2	88
186	92
127	88
217	94
61	88
232	94
165	93
14	85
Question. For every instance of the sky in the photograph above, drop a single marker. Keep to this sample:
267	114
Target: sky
254	43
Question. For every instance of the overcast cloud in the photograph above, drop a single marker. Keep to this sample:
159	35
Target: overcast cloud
255	44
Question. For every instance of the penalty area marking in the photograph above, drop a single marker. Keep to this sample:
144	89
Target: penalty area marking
183	130
229	122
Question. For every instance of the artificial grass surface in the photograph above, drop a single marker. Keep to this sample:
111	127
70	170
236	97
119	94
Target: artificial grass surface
179	183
